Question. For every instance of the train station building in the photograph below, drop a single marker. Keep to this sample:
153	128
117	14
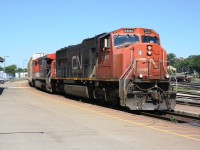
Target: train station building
1	72
1	59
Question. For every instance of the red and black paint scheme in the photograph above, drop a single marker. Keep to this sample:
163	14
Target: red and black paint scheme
126	67
43	70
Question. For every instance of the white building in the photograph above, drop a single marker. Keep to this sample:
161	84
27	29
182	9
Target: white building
3	75
21	75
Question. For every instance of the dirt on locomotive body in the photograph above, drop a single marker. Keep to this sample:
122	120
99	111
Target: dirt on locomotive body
126	67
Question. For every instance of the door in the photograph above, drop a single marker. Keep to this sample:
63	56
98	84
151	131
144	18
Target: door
104	69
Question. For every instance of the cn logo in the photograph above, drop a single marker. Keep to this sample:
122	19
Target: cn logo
76	62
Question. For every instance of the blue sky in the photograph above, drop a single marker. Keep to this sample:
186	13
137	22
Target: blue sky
33	26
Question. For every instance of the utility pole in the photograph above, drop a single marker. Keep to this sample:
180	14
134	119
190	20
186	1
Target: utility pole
5	66
24	68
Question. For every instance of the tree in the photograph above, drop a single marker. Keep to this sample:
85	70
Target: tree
194	62
1	68
185	65
25	70
11	69
21	70
171	58
188	64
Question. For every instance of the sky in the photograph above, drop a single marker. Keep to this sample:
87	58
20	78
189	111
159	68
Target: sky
45	26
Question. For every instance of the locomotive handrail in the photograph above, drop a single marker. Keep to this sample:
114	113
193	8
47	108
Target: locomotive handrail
127	77
122	93
125	72
173	75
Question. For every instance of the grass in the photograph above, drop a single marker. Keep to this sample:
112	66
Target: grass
195	80
188	89
173	119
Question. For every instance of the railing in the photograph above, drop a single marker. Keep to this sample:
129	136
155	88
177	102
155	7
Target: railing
173	75
133	68
123	80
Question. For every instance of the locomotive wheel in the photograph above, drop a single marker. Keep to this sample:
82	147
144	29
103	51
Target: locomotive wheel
112	98
91	92
99	95
48	89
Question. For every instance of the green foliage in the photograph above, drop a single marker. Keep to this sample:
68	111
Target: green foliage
20	70
196	80
189	90
173	119
185	65
194	62
171	58
11	69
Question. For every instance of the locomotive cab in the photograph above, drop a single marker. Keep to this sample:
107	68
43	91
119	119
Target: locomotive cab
136	59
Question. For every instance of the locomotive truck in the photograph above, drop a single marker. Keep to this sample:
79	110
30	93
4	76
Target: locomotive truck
126	67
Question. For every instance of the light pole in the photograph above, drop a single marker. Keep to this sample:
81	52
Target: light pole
24	68
5	66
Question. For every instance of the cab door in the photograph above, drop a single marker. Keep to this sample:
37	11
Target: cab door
104	69
53	69
36	68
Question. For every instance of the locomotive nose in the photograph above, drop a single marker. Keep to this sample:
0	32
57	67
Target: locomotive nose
149	59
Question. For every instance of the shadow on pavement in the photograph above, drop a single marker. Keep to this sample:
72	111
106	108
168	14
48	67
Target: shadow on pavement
1	90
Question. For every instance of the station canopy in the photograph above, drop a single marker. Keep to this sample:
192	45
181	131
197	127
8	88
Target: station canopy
1	59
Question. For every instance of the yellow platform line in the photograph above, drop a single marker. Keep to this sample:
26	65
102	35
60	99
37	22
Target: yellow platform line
116	118
194	135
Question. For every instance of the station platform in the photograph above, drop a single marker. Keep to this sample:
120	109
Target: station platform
33	119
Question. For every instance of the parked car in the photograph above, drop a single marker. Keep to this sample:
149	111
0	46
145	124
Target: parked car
2	81
183	77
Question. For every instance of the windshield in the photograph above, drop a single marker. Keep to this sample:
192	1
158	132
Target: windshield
125	40
150	39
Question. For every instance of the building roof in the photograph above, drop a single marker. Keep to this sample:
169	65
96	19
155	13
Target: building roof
1	59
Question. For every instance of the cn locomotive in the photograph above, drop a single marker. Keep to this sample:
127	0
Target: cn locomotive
126	67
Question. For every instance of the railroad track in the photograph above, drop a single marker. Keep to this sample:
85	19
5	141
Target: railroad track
189	83
185	84
188	99
188	104
175	117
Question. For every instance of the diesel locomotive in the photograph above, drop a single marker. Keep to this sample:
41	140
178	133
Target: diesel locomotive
126	67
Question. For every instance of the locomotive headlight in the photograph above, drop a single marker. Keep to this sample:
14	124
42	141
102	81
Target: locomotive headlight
166	76
140	76
149	53
149	47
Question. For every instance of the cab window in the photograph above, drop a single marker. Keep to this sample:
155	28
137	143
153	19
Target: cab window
125	40
150	39
105	43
